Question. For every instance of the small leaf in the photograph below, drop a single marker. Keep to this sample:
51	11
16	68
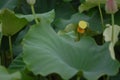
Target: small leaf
112	52
108	34
10	23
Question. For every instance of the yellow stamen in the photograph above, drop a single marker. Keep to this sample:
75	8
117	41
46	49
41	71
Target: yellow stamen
83	24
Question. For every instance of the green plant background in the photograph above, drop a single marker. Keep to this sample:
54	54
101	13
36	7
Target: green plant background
41	54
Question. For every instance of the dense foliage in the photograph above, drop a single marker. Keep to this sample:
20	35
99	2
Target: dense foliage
59	39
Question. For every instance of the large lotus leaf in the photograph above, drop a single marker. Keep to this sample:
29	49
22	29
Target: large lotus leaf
8	4
44	52
5	75
10	23
88	4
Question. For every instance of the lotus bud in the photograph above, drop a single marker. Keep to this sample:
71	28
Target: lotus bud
111	7
31	2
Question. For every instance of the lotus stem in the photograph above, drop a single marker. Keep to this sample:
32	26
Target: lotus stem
101	16
10	46
112	17
33	12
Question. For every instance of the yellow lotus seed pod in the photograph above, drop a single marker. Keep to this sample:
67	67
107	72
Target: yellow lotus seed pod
31	2
83	24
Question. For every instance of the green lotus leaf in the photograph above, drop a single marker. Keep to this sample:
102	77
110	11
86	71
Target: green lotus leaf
10	23
49	16
17	63
5	75
44	52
